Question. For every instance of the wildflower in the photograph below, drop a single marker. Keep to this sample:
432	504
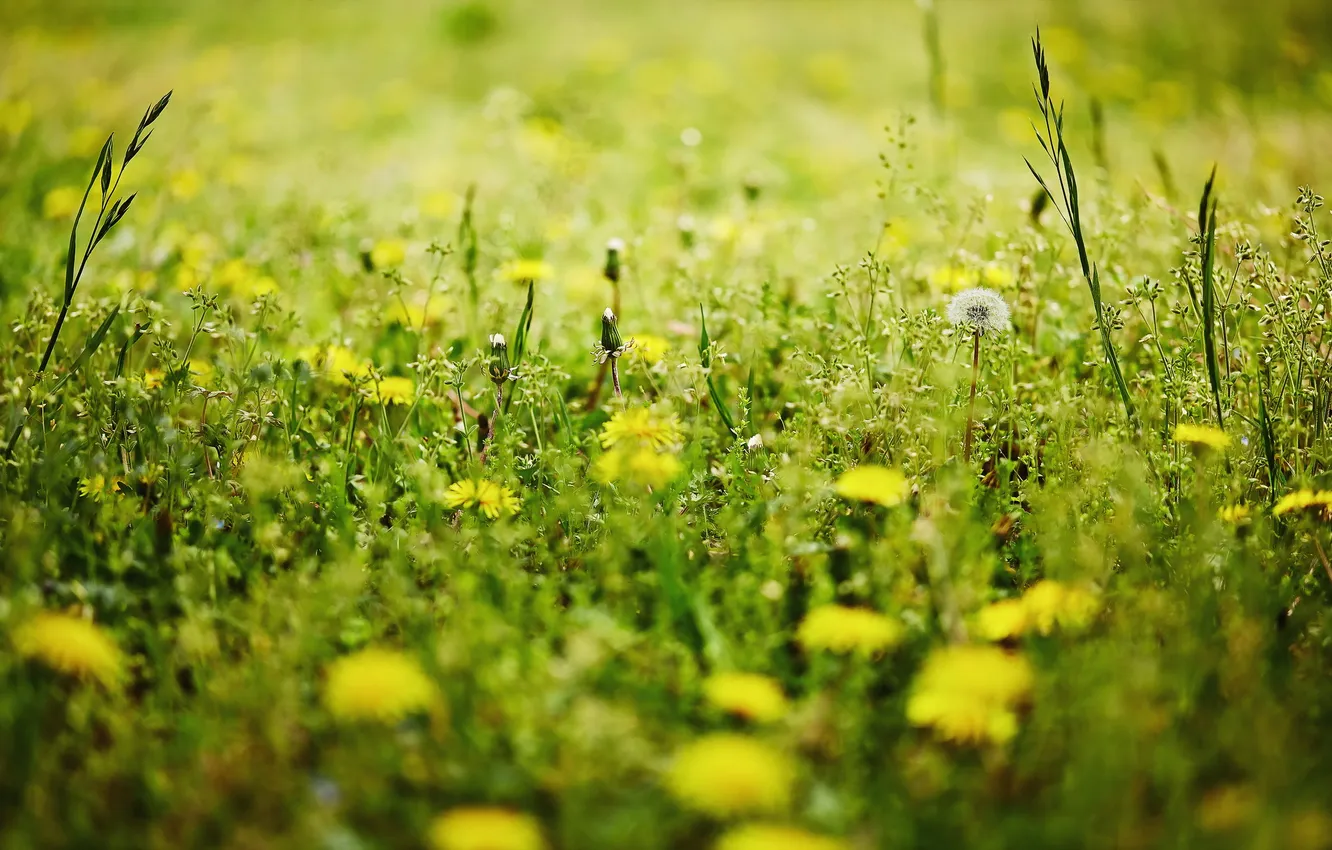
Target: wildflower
1051	603
642	427
1301	500
969	694
523	270
419	314
651	349
152	379
70	645
726	774
951	278
15	116
1236	514
611	347
1201	435
201	370
614	248
997	275
342	365
757	836
872	483
395	390
643	466
387	253
378	684
981	311
1002	620
499	368
747	695
839	629
494	499
97	487
461	494
62	202
485	828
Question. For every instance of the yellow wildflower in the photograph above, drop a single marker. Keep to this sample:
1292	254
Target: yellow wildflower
952	278
152	379
1051	603
836	628
70	645
387	253
523	270
1301	500
14	117
726	775
643	466
201	371
185	185
641	426
438	205
872	483
342	365
747	695
1236	514
757	836
1002	620
969	694
485	828
494	499
1201	435
85	141
378	684
997	276
62	202
97	487
649	348
394	390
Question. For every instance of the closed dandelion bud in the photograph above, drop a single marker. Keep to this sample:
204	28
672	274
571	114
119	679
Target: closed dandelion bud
500	370
685	224
366	251
614	250
610	333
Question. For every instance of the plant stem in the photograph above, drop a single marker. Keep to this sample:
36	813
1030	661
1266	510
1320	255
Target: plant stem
55	334
615	376
971	405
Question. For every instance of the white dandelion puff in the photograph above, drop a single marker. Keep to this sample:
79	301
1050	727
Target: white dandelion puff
982	310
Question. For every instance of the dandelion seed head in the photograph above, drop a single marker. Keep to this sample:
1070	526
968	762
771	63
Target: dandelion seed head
982	310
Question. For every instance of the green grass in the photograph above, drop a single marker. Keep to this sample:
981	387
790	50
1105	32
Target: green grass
340	201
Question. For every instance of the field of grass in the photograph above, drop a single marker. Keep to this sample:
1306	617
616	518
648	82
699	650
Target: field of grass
609	425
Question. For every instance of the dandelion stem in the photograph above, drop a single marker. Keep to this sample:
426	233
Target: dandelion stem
971	405
615	376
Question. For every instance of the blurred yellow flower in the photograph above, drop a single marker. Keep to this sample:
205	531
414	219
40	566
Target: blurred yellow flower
523	270
439	205
387	253
997	275
952	278
757	836
837	628
395	390
725	775
1301	500
62	202
968	694
86	141
1236	514
70	645
1051	603
649	348
643	465
1002	620
641	426
485	828
201	371
461	494
378	684
487	497
339	364
14	117
414	315
1015	126
873	483
829	75
98	487
747	695
185	185
152	379
1201	435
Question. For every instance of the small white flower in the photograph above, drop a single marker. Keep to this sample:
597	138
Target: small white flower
982	310
615	245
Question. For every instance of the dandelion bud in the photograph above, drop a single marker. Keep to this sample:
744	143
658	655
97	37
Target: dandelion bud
610	333
499	368
685	224
614	248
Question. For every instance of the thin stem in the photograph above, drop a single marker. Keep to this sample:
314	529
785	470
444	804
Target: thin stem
971	406
615	376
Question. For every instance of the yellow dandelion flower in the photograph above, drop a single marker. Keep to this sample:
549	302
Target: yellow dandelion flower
1236	514
70	645
641	426
485	828
747	695
1301	500
839	629
649	348
1201	435
417	314
378	684
62	202
726	775
997	275
523	270
758	836
201	371
1051	603
968	693
185	184
394	390
438	205
643	466
872	483
1002	620
494	499
952	278
461	494
98	487
152	379
342	365
387	253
